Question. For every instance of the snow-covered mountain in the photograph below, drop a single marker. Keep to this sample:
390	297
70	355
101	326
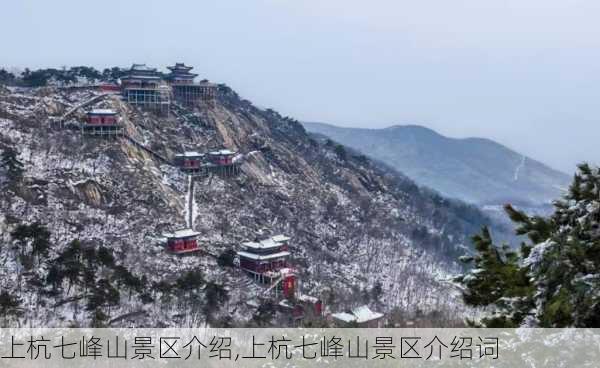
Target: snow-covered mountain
355	227
476	170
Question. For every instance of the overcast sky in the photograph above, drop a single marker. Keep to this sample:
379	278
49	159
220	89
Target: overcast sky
523	72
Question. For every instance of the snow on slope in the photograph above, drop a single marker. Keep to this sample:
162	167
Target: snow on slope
352	225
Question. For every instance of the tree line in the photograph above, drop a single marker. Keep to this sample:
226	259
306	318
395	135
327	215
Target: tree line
90	274
63	76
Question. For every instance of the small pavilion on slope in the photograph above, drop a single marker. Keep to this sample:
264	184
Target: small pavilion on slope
192	163
223	161
183	241
265	257
362	316
103	122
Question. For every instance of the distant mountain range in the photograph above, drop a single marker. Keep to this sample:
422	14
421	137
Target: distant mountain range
476	170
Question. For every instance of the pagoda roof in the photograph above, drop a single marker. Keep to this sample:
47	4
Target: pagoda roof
182	233
222	152
141	71
280	238
102	112
361	314
190	154
180	66
135	75
180	71
142	67
365	314
263	244
262	257
272	242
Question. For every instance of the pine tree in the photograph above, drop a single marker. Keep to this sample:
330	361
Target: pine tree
9	304
264	314
35	235
216	295
553	280
21	233
41	241
190	281
6	77
105	257
129	281
497	279
340	151
377	291
90	256
55	277
70	261
226	258
103	294
98	318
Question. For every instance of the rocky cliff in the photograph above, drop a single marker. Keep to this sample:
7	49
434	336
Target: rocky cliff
360	235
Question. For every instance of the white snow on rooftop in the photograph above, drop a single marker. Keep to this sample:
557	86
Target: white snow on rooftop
365	314
259	257
269	243
222	152
252	245
280	238
273	242
189	154
102	111
183	233
308	298
263	244
361	314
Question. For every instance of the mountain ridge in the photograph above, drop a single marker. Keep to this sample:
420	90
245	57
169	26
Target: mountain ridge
473	169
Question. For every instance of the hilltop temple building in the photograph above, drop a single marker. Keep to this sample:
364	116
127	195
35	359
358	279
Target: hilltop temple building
143	87
185	91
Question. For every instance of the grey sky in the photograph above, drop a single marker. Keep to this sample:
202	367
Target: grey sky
523	72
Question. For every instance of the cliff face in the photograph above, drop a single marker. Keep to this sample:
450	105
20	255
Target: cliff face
353	226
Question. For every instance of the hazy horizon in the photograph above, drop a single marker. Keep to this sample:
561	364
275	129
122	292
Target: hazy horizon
523	73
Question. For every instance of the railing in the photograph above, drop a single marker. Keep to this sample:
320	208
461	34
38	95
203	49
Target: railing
150	151
83	104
